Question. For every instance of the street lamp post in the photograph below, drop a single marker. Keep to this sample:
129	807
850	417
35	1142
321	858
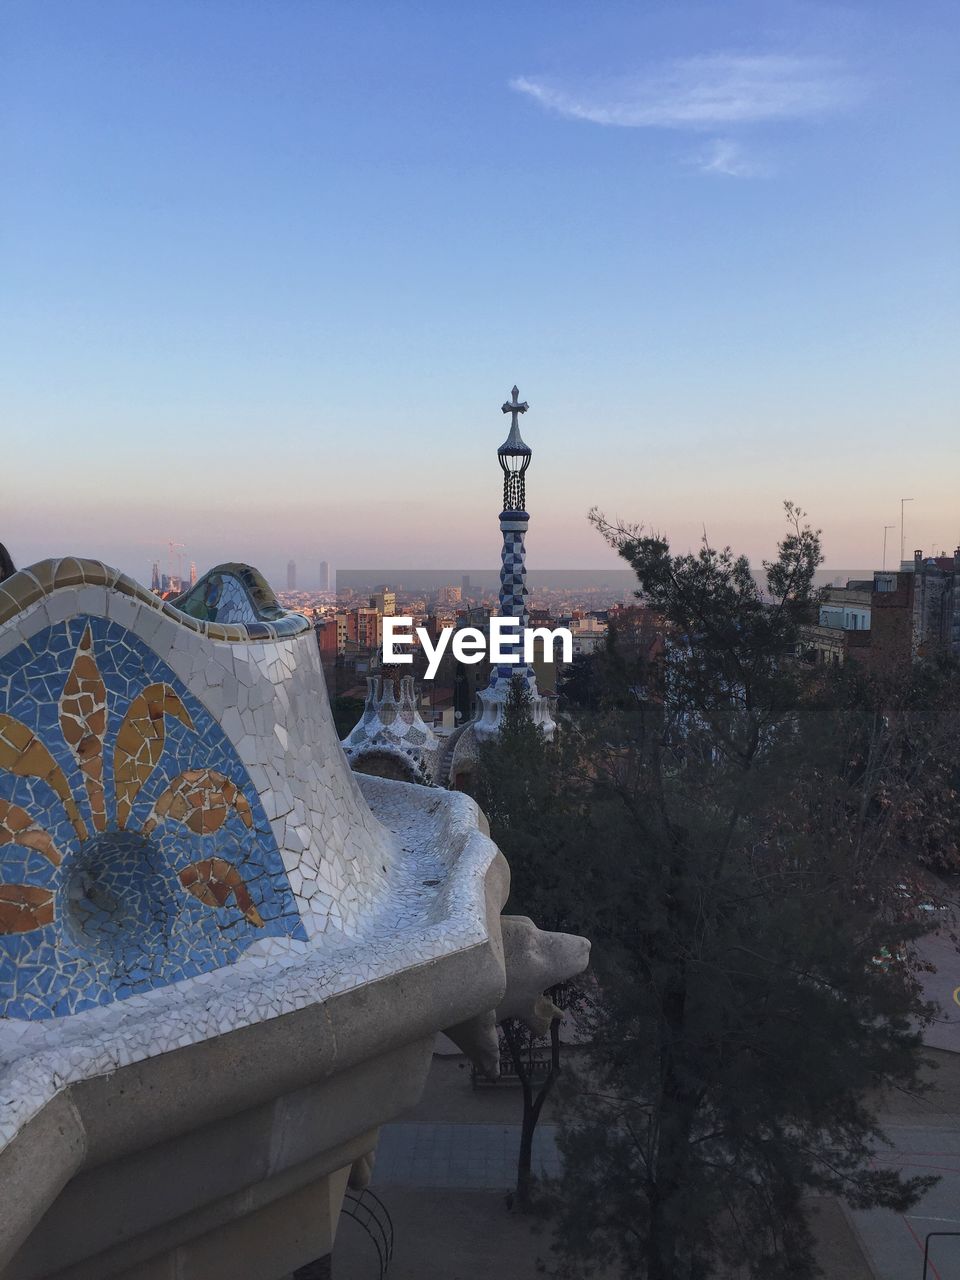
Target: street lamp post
902	548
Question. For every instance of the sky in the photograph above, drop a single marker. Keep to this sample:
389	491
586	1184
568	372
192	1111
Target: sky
268	271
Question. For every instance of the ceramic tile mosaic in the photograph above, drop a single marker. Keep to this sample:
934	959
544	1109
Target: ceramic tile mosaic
236	593
513	596
220	597
393	727
258	874
438	906
118	793
513	603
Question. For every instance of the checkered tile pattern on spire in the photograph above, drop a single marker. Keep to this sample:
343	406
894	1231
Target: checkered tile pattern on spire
513	600
513	577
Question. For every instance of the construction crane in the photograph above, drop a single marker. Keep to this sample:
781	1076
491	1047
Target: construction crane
176	554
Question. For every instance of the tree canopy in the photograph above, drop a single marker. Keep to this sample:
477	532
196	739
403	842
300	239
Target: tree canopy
730	827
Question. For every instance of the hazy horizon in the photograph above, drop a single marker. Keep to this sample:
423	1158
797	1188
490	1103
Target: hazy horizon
362	580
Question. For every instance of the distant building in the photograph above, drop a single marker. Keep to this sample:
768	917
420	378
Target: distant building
843	625
916	611
449	595
365	628
327	639
847	608
193	573
936	605
291	575
587	632
324	575
478	615
386	601
898	617
434	623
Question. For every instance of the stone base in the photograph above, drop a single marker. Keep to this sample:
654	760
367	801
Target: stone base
252	1196
263	1246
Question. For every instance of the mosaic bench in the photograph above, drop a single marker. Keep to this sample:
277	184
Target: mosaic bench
223	956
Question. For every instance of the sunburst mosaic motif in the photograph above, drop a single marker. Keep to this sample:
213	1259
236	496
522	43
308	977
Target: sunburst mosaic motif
134	851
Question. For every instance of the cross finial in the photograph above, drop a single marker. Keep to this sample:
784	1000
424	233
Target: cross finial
515	407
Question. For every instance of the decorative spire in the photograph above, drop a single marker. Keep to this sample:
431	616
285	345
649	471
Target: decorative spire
514	456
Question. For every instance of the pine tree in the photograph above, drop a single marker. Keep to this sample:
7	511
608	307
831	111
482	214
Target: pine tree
740	872
520	785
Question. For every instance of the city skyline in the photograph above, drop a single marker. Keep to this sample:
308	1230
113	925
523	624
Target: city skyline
269	302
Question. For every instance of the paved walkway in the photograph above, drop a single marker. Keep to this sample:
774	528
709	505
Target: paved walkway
432	1164
450	1235
459	1156
894	1241
926	1139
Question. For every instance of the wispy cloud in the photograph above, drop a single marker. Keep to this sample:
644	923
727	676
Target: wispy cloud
728	158
713	91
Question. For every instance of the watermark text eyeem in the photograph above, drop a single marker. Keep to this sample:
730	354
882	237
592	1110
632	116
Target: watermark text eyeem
469	644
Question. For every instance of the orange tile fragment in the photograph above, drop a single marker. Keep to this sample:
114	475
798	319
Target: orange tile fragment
24	907
213	880
17	827
83	722
26	756
140	742
201	800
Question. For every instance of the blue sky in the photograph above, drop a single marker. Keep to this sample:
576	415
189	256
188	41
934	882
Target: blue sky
269	269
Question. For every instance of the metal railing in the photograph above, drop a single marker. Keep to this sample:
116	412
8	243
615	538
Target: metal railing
926	1247
371	1214
537	1062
